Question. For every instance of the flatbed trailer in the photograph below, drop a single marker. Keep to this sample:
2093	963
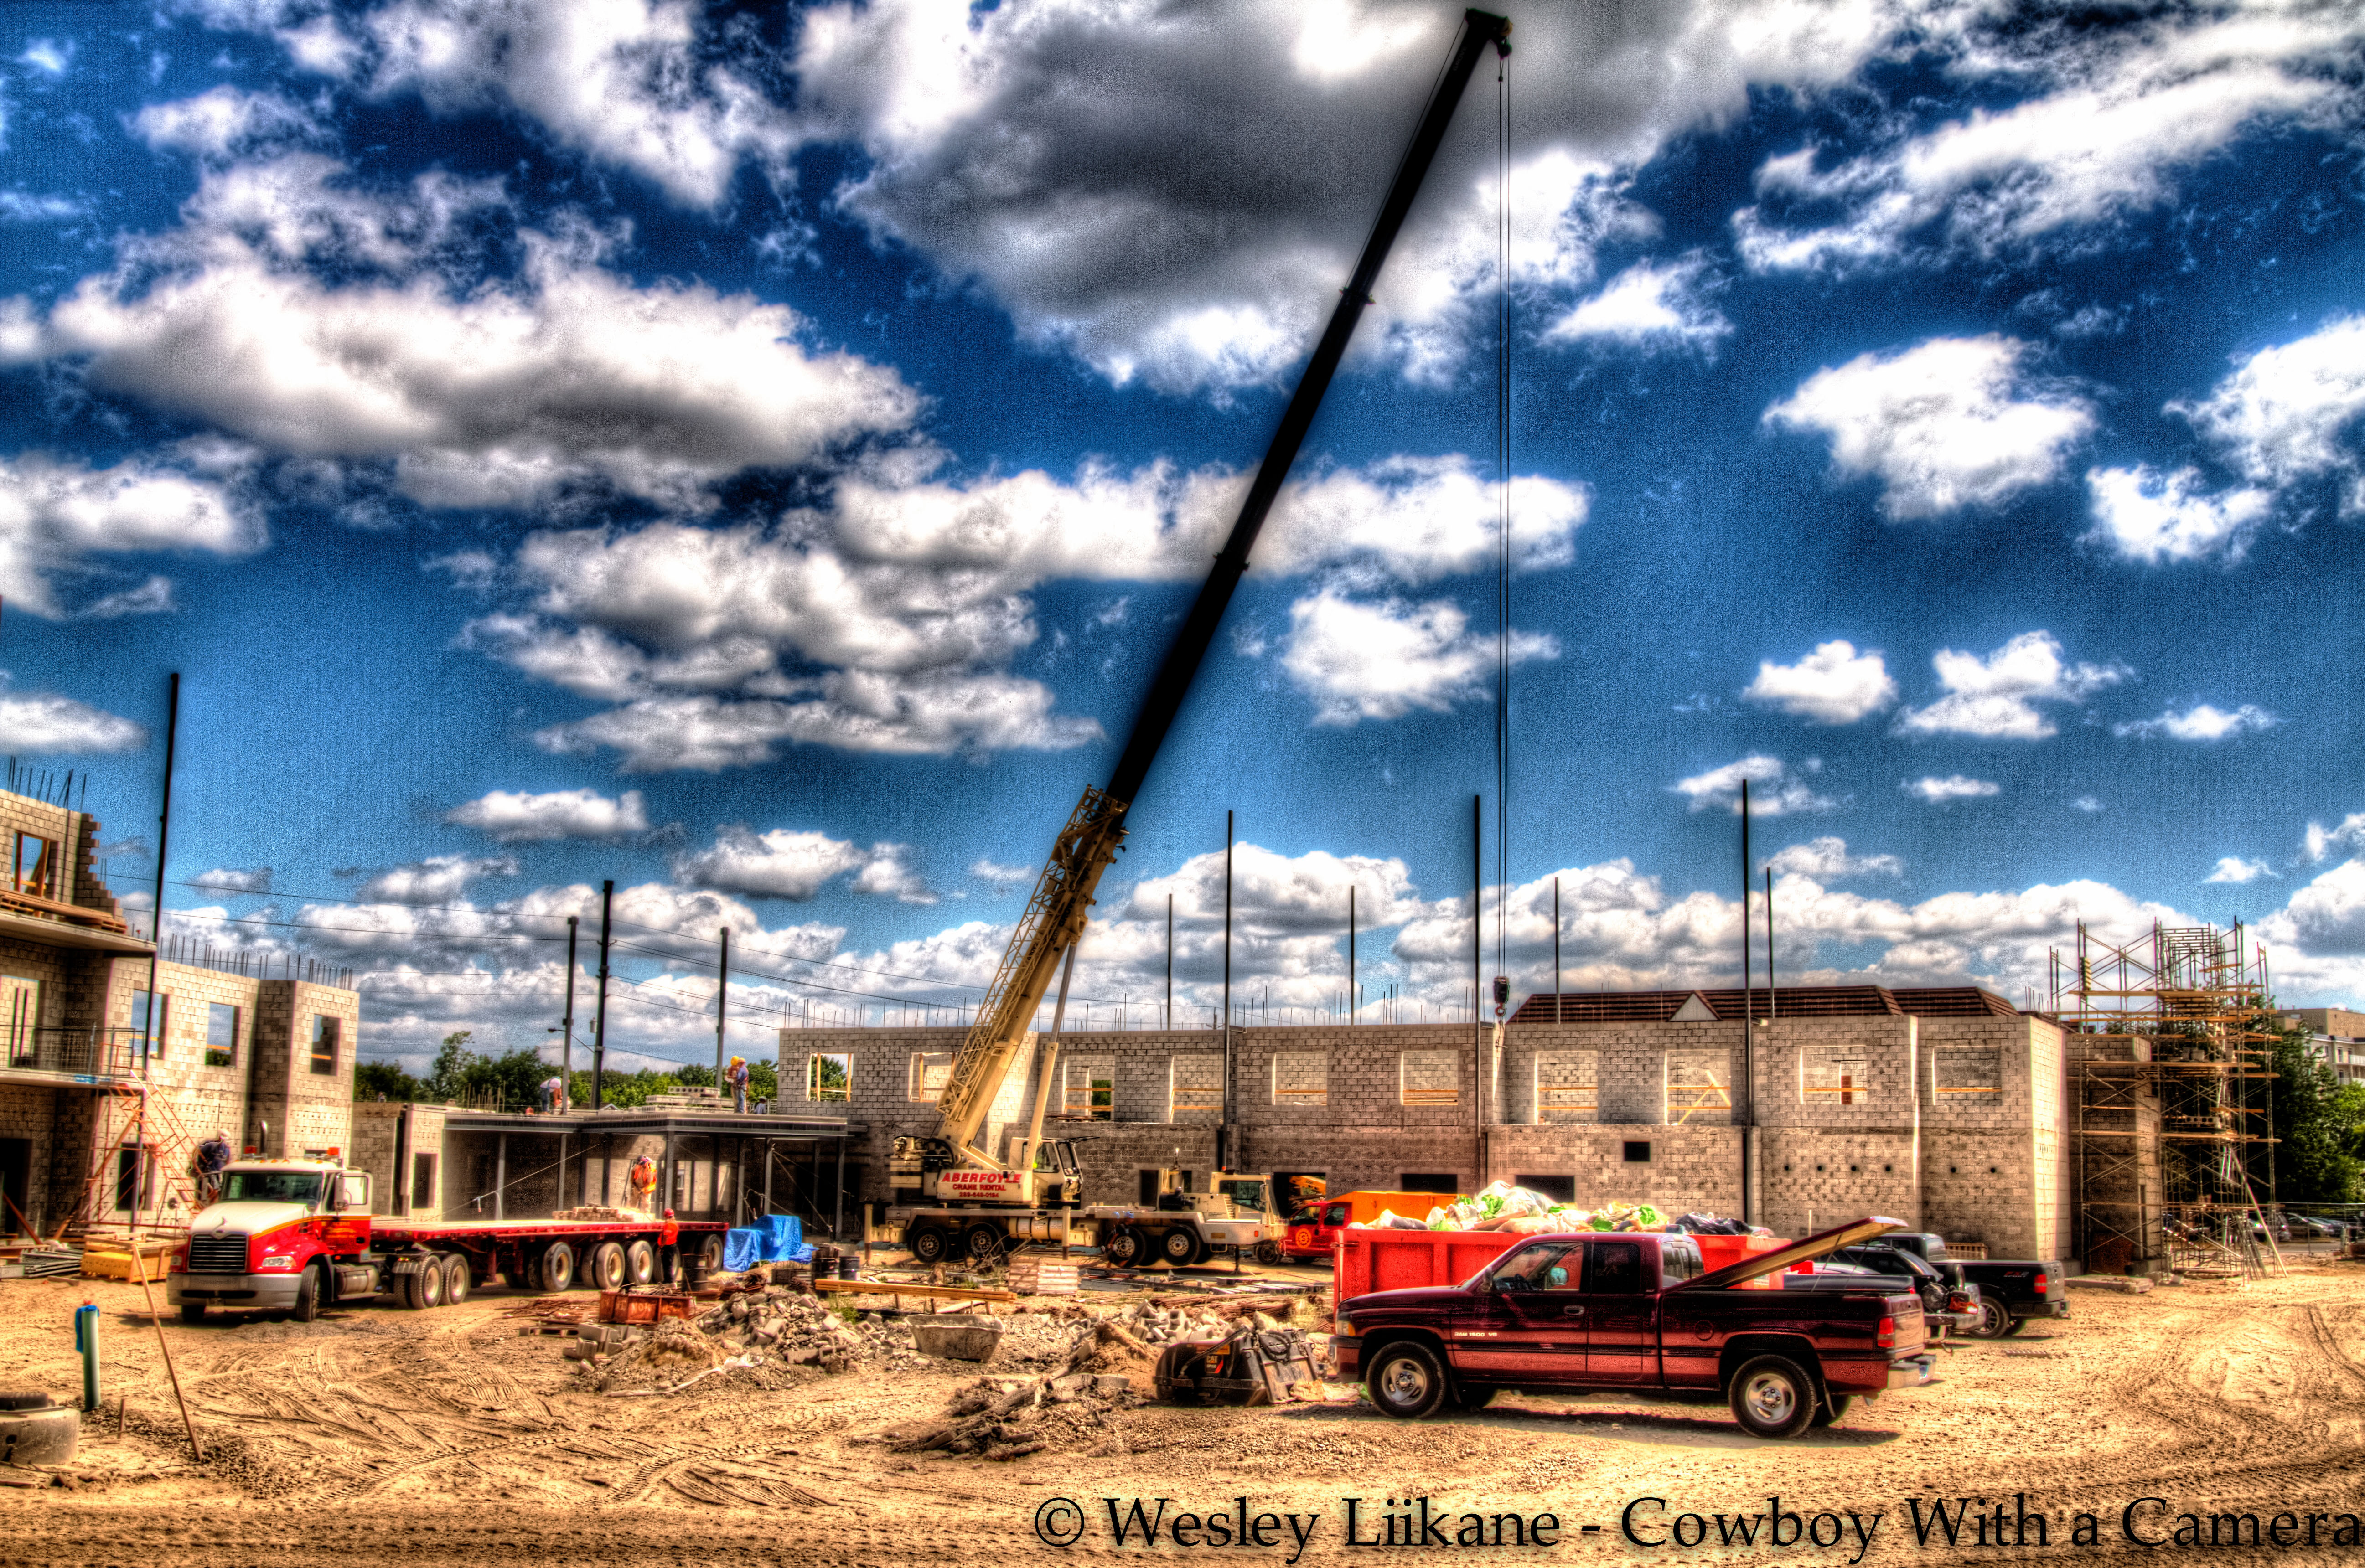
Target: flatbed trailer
295	1235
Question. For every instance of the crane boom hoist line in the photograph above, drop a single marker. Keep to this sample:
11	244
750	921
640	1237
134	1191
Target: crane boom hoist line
1055	916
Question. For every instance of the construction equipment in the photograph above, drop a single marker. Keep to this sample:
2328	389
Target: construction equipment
1254	1366
1032	1186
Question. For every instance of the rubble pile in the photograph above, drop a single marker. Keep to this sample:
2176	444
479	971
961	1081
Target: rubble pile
758	1326
1071	1410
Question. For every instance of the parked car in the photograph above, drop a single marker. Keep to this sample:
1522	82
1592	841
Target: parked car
1641	1313
2011	1291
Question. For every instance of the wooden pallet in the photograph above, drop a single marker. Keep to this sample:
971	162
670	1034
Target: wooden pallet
1030	1277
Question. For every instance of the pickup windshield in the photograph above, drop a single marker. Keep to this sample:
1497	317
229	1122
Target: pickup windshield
272	1187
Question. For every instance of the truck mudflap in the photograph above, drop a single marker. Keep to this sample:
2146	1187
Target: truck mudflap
1913	1371
1348	1349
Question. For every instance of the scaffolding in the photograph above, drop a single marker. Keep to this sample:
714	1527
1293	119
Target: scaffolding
2170	1039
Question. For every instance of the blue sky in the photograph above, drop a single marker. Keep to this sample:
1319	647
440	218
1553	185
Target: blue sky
758	456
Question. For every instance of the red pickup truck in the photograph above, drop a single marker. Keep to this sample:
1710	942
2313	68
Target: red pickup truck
1597	1311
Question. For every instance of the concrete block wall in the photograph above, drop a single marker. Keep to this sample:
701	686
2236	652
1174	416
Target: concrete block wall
306	1110
1688	1168
29	1111
75	833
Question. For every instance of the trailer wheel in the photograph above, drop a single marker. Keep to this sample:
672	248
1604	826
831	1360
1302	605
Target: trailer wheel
1178	1246
1772	1397
928	1243
640	1262
1123	1248
425	1288
308	1297
1406	1381
456	1278
606	1270
557	1267
983	1242
710	1254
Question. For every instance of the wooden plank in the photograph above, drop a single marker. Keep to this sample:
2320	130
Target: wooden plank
936	1292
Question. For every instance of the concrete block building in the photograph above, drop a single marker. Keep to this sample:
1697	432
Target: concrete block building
1942	1107
267	1060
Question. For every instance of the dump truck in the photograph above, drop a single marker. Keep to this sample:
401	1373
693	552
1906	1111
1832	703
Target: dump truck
292	1237
1029	1190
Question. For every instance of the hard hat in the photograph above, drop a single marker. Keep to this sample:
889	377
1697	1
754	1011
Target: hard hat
668	1214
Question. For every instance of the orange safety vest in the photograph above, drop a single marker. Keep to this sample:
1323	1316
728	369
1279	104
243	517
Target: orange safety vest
669	1232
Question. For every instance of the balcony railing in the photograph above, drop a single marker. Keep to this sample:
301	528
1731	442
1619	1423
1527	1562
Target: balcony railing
88	1050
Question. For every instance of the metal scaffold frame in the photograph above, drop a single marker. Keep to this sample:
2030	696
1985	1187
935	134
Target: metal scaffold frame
2173	1150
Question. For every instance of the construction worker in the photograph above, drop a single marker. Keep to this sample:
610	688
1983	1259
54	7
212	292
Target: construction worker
735	1075
213	1159
553	1093
642	1178
668	1248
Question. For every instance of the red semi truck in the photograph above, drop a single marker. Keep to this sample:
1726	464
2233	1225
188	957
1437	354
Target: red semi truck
294	1236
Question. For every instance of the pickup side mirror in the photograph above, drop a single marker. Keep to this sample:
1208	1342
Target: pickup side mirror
352	1191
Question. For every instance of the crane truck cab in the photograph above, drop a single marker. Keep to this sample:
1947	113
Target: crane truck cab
253	1249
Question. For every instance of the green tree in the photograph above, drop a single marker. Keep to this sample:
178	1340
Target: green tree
762	1081
2320	1123
692	1075
451	1063
373	1079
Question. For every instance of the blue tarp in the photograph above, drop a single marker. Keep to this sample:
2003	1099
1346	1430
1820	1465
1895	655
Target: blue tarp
776	1238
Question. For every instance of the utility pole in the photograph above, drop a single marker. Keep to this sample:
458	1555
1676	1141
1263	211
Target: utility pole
1350	954
1769	944
156	910
566	1024
1478	980
599	1029
1748	1088
1170	963
1224	1134
721	1003
1555	949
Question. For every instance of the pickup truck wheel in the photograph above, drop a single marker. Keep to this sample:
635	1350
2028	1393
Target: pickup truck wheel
308	1297
1180	1248
1772	1397
1407	1382
455	1279
640	1262
1122	1250
1994	1321
928	1244
1833	1413
193	1312
609	1269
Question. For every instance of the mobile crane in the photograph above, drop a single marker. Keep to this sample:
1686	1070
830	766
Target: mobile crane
1032	1192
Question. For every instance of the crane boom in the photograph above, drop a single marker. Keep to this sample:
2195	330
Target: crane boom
1055	916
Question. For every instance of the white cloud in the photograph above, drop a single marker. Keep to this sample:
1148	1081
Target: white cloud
889	873
439	879
2326	917
2086	804
223	123
1948	424
1953	787
2201	723
2288	413
1175	195
2320	841
54	514
628	82
228	880
1774	790
1649	306
1996	698
35	723
1381	660
1834	685
785	863
2133	103
1001	879
1827	859
2154	518
2234	868
500	394
509	816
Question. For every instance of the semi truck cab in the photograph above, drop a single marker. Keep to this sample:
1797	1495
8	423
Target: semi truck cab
253	1249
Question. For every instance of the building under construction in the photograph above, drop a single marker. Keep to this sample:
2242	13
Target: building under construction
2169	1042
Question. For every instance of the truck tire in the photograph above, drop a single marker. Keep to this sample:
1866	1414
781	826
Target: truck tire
1268	1253
557	1269
982	1243
1772	1397
456	1278
193	1312
1833	1410
425	1288
308	1297
928	1243
1178	1246
640	1262
1994	1321
1123	1248
710	1254
606	1269
1407	1382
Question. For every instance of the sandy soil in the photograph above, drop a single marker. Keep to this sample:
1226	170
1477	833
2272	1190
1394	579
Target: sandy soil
381	1435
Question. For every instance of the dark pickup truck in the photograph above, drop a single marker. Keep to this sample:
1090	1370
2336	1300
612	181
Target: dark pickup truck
2011	1291
1950	1305
1640	1313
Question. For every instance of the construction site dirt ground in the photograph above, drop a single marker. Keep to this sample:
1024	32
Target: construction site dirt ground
378	1435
